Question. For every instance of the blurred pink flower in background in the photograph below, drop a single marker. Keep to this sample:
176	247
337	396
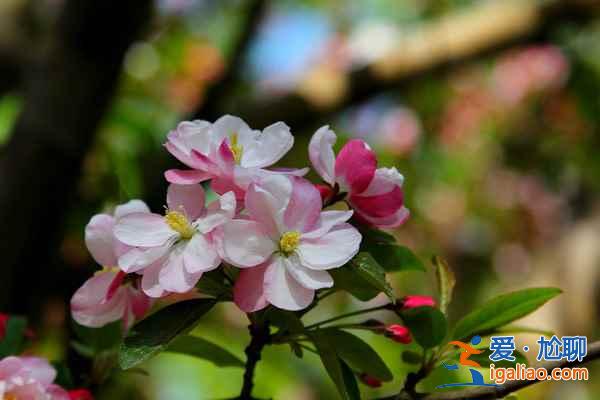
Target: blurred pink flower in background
29	378
401	130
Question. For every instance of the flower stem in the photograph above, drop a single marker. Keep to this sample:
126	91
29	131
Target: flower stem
351	314
259	333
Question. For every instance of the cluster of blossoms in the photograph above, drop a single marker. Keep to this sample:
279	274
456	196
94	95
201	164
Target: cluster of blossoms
269	223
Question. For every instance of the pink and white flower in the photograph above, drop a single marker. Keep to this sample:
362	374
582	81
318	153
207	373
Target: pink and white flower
286	244
374	193
173	251
29	378
110	294
227	151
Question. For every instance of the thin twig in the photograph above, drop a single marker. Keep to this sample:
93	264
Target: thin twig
348	315
259	334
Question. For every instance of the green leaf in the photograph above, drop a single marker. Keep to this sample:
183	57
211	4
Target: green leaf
426	324
14	336
350	381
333	365
93	341
484	360
64	378
358	354
213	283
154	334
362	277
390	256
285	320
411	357
502	310
201	348
446	282
522	329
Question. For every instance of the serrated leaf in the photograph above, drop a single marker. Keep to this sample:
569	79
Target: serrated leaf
333	365
201	348
153	334
358	354
502	310
427	325
446	281
14	336
362	277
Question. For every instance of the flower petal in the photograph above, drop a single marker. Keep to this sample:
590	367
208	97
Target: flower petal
388	222
327	220
267	147
186	176
138	258
304	208
150	283
309	278
248	292
200	255
132	206
89	304
143	229
99	239
188	199
245	243
226	126
331	250
173	275
320	152
355	166
282	290
219	212
380	205
267	200
39	369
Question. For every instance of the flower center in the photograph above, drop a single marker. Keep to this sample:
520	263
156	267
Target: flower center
236	148
180	224
289	242
9	396
106	269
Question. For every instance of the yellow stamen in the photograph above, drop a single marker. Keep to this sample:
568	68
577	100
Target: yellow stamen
289	242
236	149
179	223
106	269
9	396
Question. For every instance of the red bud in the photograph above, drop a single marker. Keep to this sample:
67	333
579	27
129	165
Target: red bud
80	394
398	333
408	302
369	380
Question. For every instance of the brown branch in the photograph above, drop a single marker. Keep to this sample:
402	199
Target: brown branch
259	334
488	393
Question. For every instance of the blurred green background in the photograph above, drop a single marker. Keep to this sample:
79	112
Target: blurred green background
490	109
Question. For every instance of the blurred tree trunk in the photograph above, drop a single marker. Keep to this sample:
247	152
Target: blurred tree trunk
66	94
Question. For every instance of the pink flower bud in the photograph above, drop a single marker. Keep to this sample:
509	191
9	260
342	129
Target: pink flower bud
80	394
369	380
326	192
398	333
3	322
409	302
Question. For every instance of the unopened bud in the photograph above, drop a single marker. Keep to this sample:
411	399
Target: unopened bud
398	333
369	380
408	302
326	192
80	394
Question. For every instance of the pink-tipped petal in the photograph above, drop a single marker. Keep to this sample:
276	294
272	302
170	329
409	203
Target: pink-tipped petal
246	244
378	206
132	206
186	176
282	290
187	199
150	283
90	305
320	151
331	250
218	213
248	291
304	207
355	166
389	222
327	220
99	239
138	258
266	202
143	229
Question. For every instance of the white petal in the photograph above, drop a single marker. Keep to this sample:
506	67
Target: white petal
150	284
267	147
245	244
138	258
309	278
219	212
331	250
99	239
173	276
132	206
143	229
200	255
282	290
320	151
225	127
328	220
